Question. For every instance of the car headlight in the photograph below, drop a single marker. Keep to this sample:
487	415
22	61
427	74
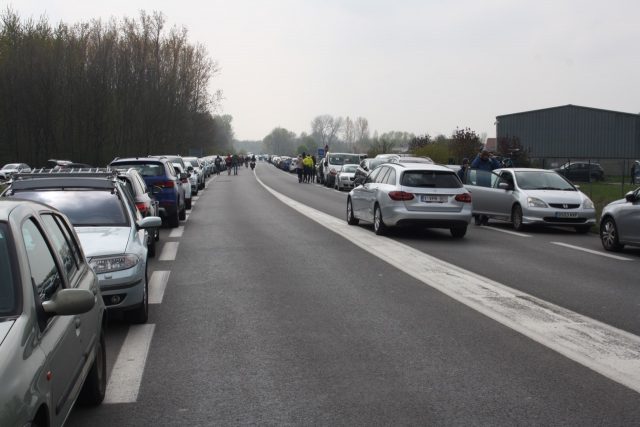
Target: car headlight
113	263
588	204
534	202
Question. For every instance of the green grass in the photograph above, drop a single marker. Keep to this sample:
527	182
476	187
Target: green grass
602	193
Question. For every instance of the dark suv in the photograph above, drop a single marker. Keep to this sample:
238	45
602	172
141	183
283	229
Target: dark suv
581	171
161	178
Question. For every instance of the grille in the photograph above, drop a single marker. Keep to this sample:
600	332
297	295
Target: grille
564	205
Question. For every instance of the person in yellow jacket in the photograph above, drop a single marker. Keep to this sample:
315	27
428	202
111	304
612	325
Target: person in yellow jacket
307	162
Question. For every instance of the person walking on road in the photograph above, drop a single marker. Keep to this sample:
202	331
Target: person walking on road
218	164
228	161
234	163
299	167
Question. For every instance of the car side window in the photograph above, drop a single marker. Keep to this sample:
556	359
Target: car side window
130	205
391	177
382	176
44	273
70	262
373	175
507	177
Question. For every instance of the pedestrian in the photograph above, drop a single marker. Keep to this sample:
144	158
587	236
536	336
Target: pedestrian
462	173
228	162
218	164
307	164
299	167
235	161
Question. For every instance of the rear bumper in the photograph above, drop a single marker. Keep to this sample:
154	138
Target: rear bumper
400	216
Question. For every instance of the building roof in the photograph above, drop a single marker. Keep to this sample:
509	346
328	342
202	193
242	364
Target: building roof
568	106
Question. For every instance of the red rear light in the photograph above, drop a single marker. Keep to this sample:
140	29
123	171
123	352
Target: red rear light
464	198
165	184
142	208
400	195
185	180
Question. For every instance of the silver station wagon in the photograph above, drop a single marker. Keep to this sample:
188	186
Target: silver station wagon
528	196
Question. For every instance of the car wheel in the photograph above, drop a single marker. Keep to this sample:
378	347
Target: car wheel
174	220
516	218
458	232
151	246
351	220
609	235
95	384
379	226
140	314
583	229
187	204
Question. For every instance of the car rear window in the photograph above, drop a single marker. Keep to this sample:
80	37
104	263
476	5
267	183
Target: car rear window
8	286
430	179
83	207
145	169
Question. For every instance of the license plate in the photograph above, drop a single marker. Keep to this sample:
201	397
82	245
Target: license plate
566	214
433	198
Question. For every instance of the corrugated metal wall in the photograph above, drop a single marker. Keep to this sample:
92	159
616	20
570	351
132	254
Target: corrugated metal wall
574	132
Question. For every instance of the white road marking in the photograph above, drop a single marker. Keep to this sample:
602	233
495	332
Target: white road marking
609	351
169	251
126	375
604	254
177	232
157	286
514	233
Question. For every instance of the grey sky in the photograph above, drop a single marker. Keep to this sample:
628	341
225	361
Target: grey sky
405	65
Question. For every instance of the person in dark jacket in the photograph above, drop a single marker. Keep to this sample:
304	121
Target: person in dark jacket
485	161
463	169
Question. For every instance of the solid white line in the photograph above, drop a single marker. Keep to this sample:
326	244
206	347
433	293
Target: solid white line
126	375
157	286
604	254
609	351
514	233
177	232
169	251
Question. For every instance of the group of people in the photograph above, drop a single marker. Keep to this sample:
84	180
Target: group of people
484	161
305	168
233	161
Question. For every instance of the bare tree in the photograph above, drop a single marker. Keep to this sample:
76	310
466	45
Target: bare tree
325	129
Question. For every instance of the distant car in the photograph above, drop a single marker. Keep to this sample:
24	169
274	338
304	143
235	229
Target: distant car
332	163
404	194
581	171
194	177
112	232
52	318
200	167
528	196
10	168
411	159
184	181
620	222
346	177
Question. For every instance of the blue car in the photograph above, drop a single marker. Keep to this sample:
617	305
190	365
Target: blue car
161	178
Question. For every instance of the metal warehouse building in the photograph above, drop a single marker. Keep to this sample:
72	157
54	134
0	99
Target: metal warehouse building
570	132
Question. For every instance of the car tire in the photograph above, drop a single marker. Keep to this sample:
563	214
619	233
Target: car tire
609	235
174	220
351	220
582	229
95	384
183	213
458	232
187	204
151	246
379	226
140	314
516	218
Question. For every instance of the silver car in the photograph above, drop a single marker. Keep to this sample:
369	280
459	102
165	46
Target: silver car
112	231
620	222
416	194
345	177
52	348
528	196
10	168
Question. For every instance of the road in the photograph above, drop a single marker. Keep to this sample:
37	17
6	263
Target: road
269	309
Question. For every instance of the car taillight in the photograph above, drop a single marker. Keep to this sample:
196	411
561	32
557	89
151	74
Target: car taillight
464	198
185	180
142	208
166	184
400	195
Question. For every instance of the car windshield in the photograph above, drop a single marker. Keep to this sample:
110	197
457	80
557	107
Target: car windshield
430	179
341	159
83	207
350	168
145	169
374	163
8	286
11	166
540	180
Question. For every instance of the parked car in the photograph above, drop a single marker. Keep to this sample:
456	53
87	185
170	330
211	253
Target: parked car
200	168
10	168
145	202
403	194
620	222
194	178
47	290
345	178
186	184
528	196
581	171
112	231
332	164
411	159
159	175
57	165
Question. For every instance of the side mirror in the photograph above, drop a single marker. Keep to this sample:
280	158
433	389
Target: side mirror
68	302
630	197
503	185
149	222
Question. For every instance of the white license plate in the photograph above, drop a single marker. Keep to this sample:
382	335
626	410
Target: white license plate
566	214
433	198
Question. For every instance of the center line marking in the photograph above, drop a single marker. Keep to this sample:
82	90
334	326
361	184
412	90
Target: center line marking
514	233
604	254
610	351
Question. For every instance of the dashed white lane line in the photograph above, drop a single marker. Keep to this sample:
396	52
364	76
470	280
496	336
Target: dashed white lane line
609	351
513	233
169	251
157	286
604	254
126	375
177	232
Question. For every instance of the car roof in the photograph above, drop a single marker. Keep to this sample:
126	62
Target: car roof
103	179
417	166
525	170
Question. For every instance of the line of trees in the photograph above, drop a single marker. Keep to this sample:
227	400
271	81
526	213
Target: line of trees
91	91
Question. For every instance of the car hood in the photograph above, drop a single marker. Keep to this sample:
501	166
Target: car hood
98	241
618	202
556	196
5	327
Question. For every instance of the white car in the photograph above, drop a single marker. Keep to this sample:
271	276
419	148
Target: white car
346	177
186	184
10	168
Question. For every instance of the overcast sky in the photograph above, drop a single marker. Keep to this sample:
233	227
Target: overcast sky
420	66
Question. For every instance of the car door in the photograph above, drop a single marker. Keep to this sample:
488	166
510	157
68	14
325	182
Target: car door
58	340
502	198
480	185
363	194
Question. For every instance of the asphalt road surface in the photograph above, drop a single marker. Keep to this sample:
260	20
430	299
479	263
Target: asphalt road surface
269	310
